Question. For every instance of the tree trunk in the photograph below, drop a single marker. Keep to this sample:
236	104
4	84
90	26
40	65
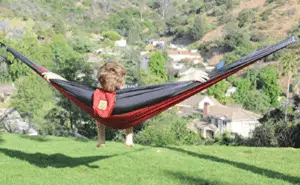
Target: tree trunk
287	96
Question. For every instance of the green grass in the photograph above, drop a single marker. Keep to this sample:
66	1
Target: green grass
53	160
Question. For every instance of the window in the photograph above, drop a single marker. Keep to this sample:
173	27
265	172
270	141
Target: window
224	123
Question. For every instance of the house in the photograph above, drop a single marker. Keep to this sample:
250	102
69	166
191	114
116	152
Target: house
6	91
4	26
121	43
230	91
93	58
179	55
157	43
194	104
144	63
231	118
218	118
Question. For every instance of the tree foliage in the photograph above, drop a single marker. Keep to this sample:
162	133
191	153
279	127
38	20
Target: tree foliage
235	37
157	65
246	16
199	28
167	129
268	81
218	91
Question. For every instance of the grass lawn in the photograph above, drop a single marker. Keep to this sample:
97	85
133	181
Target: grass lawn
63	161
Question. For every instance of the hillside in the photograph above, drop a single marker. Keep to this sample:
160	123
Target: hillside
155	40
53	160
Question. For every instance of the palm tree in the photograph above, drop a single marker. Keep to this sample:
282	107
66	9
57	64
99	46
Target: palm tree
290	64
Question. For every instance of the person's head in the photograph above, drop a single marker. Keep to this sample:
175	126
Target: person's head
112	76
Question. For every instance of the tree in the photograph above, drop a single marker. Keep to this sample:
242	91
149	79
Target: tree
290	63
227	3
71	66
134	35
112	35
157	65
28	45
243	87
246	16
131	61
105	5
256	101
147	78
34	99
218	90
268	82
59	27
235	37
141	4
165	6
199	28
81	44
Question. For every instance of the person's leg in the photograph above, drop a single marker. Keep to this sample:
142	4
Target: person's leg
129	137
101	134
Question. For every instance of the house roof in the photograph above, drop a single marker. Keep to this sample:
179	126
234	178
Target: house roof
7	89
183	52
198	124
232	113
186	111
192	101
196	99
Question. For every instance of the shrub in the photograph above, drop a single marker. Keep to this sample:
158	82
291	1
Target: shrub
265	14
246	16
81	44
111	35
167	129
199	28
258	37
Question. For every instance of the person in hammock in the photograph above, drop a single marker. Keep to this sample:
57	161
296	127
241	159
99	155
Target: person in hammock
111	77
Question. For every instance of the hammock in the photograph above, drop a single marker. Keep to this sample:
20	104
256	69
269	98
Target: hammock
136	105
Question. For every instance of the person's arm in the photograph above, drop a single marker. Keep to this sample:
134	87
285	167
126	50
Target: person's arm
49	76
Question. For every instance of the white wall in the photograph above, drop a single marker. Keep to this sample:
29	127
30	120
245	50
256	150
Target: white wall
243	127
180	57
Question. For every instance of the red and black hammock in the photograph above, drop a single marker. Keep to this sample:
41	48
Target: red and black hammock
132	106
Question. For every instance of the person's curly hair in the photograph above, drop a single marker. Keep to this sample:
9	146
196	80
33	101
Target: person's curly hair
111	76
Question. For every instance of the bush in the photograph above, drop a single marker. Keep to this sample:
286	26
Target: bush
227	3
235	37
166	129
59	27
258	37
199	28
111	35
246	16
226	18
81	44
265	14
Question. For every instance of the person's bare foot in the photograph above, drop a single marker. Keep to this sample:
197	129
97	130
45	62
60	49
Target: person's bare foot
129	144
100	145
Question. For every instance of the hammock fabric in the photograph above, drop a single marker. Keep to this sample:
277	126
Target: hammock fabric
133	106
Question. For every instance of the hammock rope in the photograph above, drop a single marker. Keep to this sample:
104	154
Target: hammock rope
138	104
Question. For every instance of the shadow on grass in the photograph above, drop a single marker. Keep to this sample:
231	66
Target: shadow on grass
1	140
84	140
58	160
257	170
35	138
188	179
